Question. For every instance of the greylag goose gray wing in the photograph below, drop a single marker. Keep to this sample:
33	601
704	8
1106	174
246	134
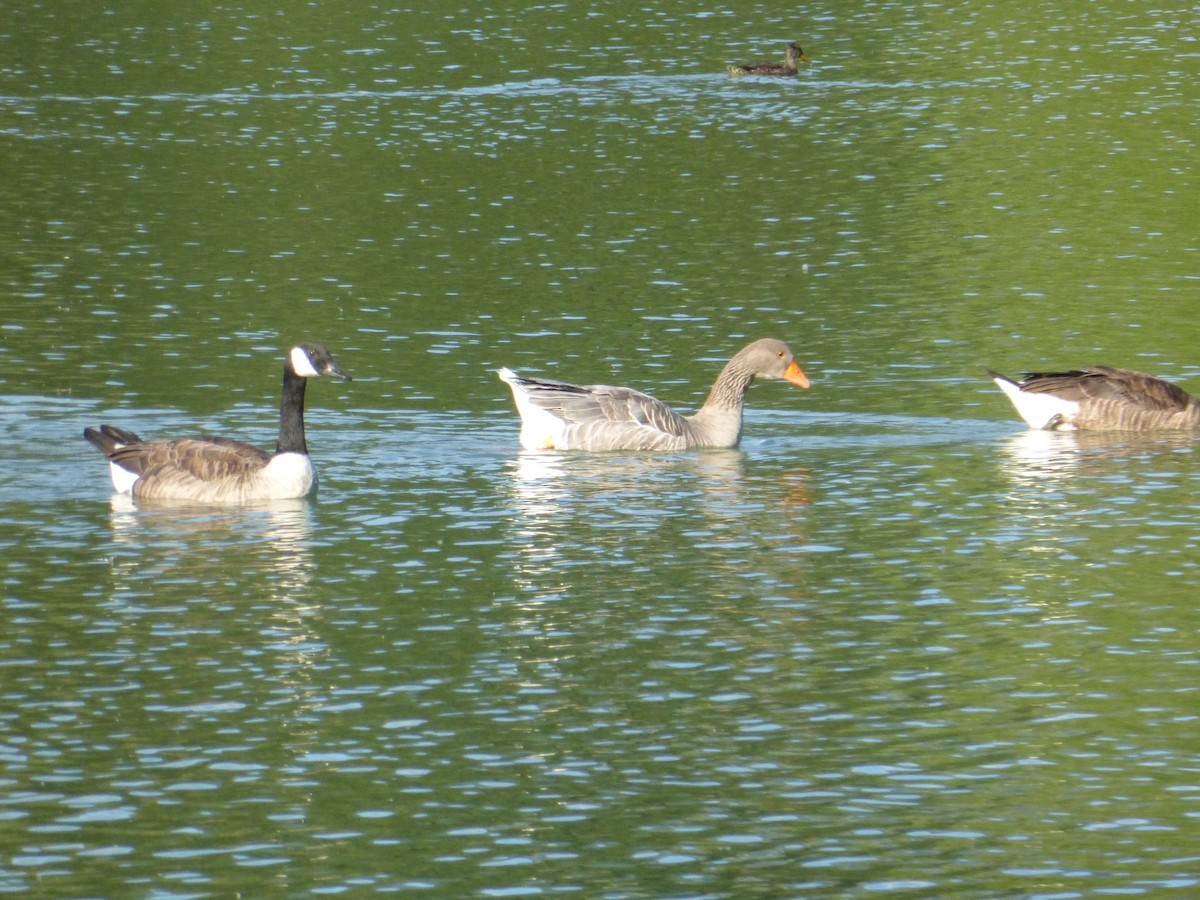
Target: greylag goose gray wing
209	469
1100	398
556	415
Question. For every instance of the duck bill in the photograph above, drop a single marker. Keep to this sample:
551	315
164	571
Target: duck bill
795	376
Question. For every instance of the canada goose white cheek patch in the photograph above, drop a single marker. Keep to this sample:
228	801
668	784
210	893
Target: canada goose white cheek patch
302	365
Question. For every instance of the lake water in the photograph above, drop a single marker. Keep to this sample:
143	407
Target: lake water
895	644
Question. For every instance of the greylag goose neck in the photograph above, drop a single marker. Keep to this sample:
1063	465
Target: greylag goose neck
560	416
792	55
1100	398
209	469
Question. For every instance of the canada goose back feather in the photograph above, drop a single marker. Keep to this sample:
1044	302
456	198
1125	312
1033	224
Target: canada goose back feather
1100	398
556	415
208	469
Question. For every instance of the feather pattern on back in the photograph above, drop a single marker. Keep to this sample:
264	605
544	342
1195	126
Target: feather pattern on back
556	415
1102	398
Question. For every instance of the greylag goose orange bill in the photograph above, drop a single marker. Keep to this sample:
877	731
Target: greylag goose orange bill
556	415
1100	398
217	469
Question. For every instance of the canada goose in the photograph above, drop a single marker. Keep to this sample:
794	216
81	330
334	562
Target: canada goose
787	67
1100	398
558	416
220	470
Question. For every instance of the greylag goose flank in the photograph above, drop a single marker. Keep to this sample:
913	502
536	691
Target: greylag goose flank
1100	398
560	416
784	69
217	469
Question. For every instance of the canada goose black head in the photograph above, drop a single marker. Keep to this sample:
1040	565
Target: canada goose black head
312	359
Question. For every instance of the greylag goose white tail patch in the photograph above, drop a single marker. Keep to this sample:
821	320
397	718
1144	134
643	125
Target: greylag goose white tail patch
209	469
1100	398
560	416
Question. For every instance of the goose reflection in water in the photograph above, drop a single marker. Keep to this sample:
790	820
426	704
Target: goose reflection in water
1035	457
566	507
546	483
170	539
607	494
174	565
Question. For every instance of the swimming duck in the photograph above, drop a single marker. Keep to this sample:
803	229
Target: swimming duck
1100	398
787	67
218	469
560	416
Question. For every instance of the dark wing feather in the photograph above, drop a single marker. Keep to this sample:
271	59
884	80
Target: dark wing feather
204	459
1106	384
108	438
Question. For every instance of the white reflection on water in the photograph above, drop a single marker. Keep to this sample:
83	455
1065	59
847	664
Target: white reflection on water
1040	457
173	564
640	511
544	481
1094	502
537	489
284	526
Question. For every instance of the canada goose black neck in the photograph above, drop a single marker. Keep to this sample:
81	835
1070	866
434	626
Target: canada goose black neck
291	413
307	360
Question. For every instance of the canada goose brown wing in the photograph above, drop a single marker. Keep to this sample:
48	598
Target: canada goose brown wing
204	459
1106	384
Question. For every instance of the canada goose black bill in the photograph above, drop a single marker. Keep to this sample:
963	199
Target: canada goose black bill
209	469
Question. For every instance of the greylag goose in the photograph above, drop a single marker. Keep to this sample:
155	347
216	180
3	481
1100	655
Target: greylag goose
1100	398
559	416
218	469
787	67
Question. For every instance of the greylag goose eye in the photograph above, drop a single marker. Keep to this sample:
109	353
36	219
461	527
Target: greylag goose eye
791	56
556	415
218	469
1100	398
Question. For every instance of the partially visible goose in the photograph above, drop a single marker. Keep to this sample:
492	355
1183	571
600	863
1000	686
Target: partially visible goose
559	416
217	469
787	67
1100	398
